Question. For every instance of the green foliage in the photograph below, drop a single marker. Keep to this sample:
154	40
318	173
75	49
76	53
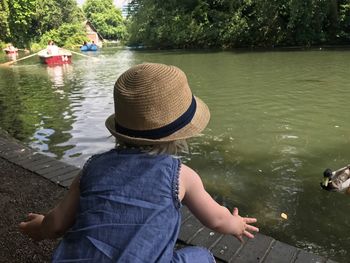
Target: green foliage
91	7
4	26
235	32
3	45
51	14
344	21
25	21
106	18
180	23
306	21
21	15
67	35
36	47
245	23
160	24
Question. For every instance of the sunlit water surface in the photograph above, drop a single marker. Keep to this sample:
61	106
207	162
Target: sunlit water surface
278	119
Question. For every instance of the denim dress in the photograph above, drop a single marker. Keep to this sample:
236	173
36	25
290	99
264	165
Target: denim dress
129	211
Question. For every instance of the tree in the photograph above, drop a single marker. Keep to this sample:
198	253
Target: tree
4	26
344	21
166	24
106	18
28	20
67	35
51	14
244	23
21	15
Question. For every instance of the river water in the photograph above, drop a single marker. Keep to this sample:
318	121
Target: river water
278	119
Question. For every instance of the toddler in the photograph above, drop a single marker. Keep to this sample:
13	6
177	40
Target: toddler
124	206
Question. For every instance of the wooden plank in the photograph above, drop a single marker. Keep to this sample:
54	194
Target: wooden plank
254	249
185	213
55	165
17	154
27	159
206	238
18	159
42	159
304	256
33	158
9	147
42	165
67	176
226	248
281	253
60	171
66	183
189	229
9	152
19	151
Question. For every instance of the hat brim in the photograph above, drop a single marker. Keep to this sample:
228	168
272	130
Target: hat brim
197	125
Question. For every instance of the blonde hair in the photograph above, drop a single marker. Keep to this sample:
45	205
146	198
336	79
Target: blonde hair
174	148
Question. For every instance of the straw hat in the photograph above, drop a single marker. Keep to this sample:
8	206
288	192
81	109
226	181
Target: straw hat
154	104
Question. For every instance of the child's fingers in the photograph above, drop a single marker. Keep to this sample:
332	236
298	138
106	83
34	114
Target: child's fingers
22	227
248	234
251	228
235	211
249	220
32	216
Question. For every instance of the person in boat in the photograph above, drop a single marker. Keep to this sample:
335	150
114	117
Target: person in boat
52	49
125	204
85	46
89	46
11	48
93	46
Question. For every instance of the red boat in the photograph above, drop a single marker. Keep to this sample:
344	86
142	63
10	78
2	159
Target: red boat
63	57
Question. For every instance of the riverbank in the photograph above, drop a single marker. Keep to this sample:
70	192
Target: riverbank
242	49
32	182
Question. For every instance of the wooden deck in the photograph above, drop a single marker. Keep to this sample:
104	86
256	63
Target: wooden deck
225	248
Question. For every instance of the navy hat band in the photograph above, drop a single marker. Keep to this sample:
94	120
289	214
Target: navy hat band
164	131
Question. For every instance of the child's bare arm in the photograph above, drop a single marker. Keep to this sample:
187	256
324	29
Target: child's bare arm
208	211
57	221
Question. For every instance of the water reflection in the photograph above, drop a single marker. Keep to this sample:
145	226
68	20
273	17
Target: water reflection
56	74
53	114
91	102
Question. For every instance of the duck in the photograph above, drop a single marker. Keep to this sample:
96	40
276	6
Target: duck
338	181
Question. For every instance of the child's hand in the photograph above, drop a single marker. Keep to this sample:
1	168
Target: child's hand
32	227
242	227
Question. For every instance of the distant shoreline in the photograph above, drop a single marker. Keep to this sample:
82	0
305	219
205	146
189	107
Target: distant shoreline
244	49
